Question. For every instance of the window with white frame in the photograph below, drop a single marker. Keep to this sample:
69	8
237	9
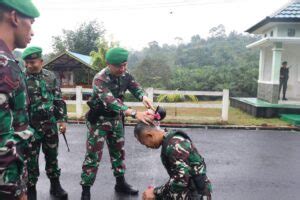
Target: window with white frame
291	32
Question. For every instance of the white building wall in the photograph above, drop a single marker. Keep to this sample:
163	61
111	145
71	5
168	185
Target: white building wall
283	29
291	54
267	65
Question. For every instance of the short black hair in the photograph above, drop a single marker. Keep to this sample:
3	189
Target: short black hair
4	9
284	62
140	128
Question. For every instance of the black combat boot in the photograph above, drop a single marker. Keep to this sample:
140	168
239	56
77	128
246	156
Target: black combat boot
31	192
56	190
123	187
86	193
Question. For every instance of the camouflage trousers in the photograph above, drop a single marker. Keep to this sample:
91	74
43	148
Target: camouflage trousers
185	195
45	136
14	150
111	132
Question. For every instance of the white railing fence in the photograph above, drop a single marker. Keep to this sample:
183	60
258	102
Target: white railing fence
78	91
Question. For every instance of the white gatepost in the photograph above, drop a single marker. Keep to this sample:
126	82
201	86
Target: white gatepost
79	102
225	105
150	92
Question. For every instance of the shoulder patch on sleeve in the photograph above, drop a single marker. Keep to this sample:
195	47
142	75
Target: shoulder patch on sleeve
3	60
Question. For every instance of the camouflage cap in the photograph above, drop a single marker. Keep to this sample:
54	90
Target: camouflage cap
116	56
32	53
25	7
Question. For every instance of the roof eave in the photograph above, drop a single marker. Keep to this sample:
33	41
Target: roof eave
268	40
79	60
258	25
72	56
55	58
269	20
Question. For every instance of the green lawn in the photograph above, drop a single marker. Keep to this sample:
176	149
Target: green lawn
208	116
238	117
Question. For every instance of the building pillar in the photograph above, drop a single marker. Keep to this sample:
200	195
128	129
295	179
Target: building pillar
261	65
276	63
269	91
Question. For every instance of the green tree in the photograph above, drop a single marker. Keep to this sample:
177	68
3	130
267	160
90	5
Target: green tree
99	55
218	31
82	40
153	72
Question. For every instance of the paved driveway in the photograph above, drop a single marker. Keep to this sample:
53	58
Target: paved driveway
243	165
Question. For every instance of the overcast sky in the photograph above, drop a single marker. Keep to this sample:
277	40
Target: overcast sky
134	23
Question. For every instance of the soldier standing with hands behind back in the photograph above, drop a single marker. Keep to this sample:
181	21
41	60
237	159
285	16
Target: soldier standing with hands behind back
45	110
105	120
284	77
16	19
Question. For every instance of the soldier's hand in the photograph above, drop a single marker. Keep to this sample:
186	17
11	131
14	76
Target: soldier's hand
208	189
62	127
148	103
145	117
149	194
23	197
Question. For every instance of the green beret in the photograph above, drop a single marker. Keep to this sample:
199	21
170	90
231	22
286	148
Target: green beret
32	53
25	7
116	56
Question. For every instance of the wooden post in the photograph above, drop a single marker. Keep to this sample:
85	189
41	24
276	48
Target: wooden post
150	94
225	105
79	102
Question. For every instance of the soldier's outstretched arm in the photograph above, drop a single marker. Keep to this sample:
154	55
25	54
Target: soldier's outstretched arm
148	103
137	91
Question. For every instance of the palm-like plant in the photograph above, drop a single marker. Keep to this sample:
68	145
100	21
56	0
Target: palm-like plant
176	98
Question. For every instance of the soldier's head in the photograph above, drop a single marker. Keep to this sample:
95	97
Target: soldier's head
149	135
16	19
116	59
284	63
33	59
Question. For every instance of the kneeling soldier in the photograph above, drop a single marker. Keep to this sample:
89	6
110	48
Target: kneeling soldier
185	166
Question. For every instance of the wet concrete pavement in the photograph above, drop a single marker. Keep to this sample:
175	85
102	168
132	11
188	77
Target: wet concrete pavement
242	165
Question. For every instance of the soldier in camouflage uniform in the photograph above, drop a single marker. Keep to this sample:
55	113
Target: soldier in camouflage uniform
46	110
16	18
185	166
105	120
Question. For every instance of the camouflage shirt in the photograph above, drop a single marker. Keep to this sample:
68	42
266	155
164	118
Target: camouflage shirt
13	96
45	97
109	90
182	161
